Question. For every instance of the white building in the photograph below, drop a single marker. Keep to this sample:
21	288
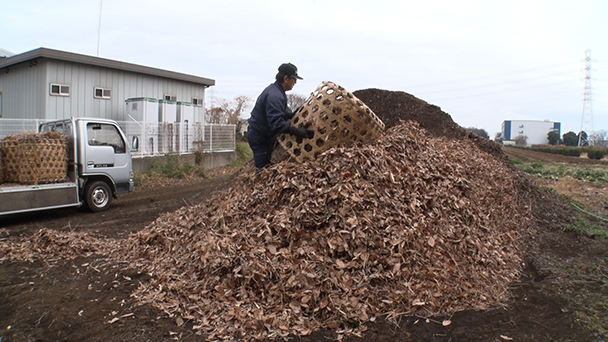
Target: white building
50	84
534	131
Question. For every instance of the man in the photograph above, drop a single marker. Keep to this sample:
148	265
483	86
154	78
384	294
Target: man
270	116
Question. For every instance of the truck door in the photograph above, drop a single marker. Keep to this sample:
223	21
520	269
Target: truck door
106	153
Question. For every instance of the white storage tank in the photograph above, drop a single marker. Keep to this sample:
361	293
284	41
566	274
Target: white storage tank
143	123
185	116
167	117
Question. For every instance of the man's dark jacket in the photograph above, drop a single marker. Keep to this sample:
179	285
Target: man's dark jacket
267	114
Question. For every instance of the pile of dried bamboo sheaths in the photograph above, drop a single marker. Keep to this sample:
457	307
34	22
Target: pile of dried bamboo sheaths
407	225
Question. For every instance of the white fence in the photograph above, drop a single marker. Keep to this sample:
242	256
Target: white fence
154	138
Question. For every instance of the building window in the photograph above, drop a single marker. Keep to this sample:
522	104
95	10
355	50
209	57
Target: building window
60	89
197	101
169	97
0	104
101	93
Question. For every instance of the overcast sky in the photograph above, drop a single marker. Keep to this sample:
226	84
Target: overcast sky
482	62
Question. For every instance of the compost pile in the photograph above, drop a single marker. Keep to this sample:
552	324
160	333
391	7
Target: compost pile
393	107
410	224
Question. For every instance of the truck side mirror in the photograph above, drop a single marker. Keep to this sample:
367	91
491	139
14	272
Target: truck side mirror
135	144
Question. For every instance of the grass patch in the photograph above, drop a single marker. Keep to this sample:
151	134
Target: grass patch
244	154
587	174
584	281
586	291
537	165
583	226
138	180
169	168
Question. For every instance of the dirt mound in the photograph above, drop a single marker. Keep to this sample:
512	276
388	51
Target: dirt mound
394	106
408	224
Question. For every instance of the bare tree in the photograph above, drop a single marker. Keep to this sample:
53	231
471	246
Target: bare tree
235	108
227	112
521	140
214	115
295	101
598	139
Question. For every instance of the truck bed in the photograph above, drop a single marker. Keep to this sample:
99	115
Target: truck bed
24	198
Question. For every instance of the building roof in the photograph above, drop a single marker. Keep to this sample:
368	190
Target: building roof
5	53
101	62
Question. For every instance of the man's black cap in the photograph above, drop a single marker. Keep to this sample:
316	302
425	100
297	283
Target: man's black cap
289	69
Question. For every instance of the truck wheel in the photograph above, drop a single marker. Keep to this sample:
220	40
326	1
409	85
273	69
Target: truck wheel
98	196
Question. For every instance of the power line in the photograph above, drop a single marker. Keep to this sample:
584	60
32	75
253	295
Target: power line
503	91
500	75
501	83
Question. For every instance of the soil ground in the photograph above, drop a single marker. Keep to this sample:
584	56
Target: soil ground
87	300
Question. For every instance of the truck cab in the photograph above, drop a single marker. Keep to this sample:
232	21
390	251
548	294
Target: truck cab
99	167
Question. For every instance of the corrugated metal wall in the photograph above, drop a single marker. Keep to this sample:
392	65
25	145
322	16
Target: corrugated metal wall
26	90
23	91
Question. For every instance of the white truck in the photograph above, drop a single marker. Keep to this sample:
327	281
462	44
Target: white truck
99	167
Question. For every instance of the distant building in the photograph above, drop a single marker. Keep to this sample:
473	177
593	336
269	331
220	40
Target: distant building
534	131
50	84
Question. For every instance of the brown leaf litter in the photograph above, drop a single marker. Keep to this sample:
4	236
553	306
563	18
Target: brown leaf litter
410	224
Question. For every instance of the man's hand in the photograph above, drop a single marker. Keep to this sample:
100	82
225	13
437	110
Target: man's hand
304	133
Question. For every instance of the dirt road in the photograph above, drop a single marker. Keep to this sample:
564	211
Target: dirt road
129	213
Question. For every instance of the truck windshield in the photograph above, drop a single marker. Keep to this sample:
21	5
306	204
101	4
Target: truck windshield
105	135
59	127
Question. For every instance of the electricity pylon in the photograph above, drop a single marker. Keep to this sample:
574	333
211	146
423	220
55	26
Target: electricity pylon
587	117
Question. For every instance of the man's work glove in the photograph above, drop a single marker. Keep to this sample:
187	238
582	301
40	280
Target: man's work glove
304	133
288	115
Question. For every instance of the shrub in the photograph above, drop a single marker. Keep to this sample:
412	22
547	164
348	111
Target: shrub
594	153
198	157
137	180
201	172
566	151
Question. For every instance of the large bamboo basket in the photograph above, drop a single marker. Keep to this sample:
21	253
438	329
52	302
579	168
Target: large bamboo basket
35	158
337	117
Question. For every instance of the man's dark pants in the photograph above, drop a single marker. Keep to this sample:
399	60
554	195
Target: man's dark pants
262	148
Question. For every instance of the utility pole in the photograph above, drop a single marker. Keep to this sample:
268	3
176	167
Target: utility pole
99	27
587	117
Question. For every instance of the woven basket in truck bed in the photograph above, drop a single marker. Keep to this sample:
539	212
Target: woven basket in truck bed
35	158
